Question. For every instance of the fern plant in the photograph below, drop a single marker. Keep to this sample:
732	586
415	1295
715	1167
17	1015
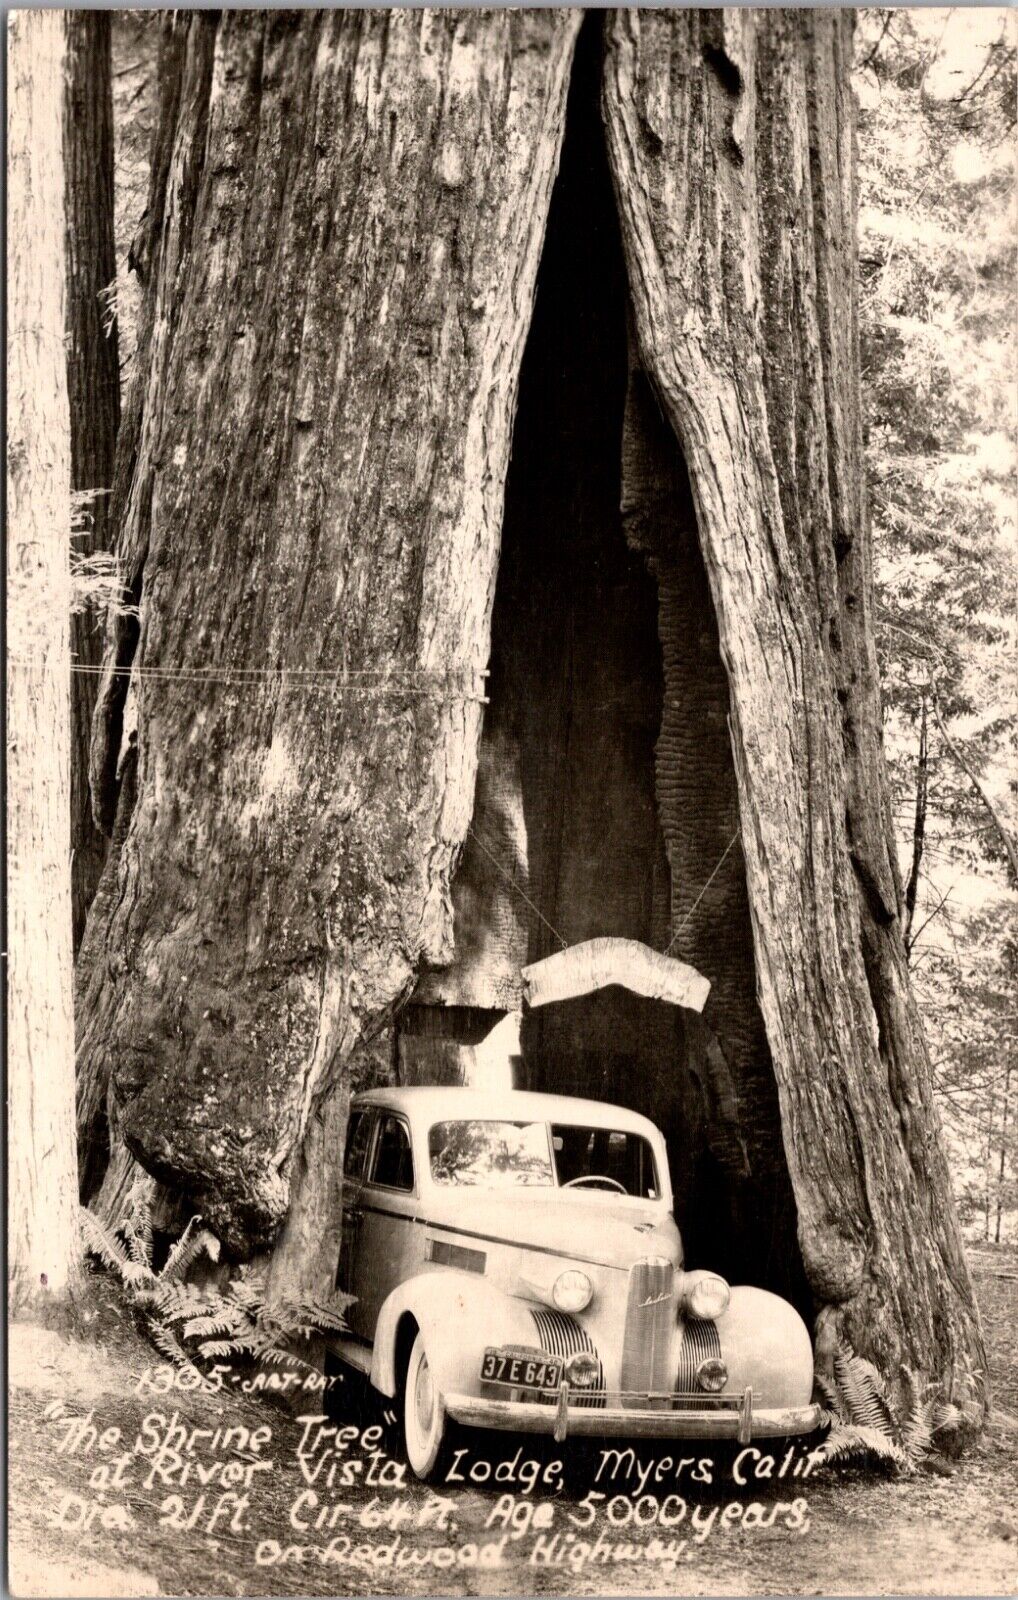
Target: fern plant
126	1250
241	1321
217	1323
866	1424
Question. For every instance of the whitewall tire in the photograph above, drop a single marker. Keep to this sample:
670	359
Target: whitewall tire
425	1427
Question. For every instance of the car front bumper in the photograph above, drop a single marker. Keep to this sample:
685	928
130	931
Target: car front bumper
732	1419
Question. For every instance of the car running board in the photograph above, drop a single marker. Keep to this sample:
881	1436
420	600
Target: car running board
353	1352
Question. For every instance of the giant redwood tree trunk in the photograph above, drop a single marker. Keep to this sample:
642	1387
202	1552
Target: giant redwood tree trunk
683	737
346	220
731	142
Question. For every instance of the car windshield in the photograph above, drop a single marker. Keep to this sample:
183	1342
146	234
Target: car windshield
497	1154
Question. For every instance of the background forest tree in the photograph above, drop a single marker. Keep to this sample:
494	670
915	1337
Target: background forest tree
937	275
43	1253
650	467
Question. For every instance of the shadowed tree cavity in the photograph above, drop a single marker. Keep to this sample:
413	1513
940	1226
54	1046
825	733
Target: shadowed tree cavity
606	789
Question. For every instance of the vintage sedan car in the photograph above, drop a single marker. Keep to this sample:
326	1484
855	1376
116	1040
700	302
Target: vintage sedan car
516	1265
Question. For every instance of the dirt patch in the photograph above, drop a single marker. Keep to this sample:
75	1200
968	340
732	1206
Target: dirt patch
858	1533
36	1574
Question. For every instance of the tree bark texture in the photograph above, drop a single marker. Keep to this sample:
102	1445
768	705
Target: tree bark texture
93	383
726	1049
307	1249
345	222
134	55
42	1215
92	1088
731	142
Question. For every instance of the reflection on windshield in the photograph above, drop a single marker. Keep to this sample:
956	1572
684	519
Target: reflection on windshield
496	1154
499	1154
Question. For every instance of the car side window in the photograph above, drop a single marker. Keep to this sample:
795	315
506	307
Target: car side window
358	1136
393	1165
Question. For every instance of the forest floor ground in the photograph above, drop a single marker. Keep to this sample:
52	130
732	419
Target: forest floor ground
863	1533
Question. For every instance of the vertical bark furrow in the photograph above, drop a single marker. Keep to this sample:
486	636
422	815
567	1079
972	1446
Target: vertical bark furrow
93	383
184	71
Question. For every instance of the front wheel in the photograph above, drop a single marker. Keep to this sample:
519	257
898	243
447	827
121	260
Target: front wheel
425	1425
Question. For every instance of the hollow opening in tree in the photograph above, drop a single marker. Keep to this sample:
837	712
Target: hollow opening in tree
606	792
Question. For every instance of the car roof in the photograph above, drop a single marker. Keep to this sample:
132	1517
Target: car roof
435	1103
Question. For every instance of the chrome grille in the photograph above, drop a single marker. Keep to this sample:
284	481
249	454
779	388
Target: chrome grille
563	1336
700	1342
650	1325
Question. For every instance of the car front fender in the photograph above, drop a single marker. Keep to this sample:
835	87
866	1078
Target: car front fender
459	1315
766	1346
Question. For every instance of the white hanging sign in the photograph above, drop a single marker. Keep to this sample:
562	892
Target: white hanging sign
597	963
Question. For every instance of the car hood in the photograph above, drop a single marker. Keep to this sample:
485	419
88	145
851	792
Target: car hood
602	1232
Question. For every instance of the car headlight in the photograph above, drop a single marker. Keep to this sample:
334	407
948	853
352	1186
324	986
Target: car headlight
572	1290
705	1295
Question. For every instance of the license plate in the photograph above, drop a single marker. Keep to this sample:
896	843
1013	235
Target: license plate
520	1371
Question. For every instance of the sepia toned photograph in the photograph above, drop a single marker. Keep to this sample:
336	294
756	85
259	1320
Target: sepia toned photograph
511	801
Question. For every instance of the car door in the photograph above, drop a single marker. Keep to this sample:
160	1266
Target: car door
359	1131
390	1236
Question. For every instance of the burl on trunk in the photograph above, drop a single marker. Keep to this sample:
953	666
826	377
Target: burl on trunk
346	223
